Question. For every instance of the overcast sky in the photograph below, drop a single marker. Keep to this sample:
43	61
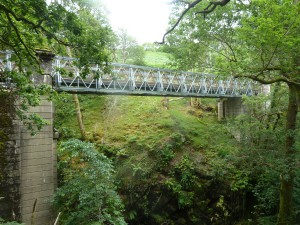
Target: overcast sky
146	20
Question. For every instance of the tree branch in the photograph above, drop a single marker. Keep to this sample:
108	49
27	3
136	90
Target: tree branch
7	43
38	26
215	50
190	6
207	10
24	20
224	42
182	1
266	81
212	6
19	36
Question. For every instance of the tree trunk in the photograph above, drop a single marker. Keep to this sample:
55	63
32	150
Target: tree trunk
286	213
77	108
79	116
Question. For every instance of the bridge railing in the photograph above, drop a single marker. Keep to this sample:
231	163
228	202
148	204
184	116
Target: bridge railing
141	80
5	65
137	80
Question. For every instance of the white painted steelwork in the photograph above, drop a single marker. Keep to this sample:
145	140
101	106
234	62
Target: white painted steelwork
140	80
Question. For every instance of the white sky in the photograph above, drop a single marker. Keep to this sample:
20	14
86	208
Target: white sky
145	20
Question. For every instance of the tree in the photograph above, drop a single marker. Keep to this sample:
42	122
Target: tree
127	49
257	40
27	26
189	5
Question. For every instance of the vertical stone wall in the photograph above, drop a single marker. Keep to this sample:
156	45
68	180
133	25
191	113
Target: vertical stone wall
9	162
221	112
28	174
230	107
37	169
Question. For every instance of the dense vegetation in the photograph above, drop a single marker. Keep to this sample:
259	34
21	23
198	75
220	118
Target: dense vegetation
180	165
255	39
157	163
87	192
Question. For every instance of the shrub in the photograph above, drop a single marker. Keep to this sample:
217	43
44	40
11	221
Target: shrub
87	194
2	222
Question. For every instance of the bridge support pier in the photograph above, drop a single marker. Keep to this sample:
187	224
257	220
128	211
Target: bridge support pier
230	107
38	176
29	176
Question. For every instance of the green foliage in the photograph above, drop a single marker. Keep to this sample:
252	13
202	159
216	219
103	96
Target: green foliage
65	115
166	155
185	169
3	222
54	27
127	50
87	194
137	56
157	59
169	168
266	191
183	182
258	40
179	165
259	161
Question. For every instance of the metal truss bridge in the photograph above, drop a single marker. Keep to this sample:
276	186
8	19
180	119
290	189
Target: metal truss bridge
123	79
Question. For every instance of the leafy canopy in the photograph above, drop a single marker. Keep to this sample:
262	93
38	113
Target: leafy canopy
56	26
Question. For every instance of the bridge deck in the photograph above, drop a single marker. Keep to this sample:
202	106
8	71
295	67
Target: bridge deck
139	80
126	79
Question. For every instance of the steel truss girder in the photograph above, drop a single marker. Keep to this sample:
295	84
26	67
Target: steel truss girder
139	80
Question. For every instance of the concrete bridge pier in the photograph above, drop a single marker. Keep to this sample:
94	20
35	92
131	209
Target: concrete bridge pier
28	169
38	174
230	107
37	168
28	176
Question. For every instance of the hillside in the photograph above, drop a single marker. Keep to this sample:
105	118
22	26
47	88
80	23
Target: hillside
175	162
172	158
157	59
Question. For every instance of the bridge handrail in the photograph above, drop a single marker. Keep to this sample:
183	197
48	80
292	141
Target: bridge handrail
144	67
141	80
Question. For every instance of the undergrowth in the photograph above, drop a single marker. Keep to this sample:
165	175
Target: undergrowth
167	160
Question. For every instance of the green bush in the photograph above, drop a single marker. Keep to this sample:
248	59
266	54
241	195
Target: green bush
2	222
87	194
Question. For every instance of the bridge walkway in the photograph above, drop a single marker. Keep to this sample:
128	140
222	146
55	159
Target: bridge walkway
123	79
126	79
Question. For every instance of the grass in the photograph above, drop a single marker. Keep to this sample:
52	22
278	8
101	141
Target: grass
152	59
121	120
141	129
157	59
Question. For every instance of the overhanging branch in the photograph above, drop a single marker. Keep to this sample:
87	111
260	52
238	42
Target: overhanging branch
17	32
210	8
269	81
37	27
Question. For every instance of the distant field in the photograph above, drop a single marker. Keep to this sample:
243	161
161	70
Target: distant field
157	59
